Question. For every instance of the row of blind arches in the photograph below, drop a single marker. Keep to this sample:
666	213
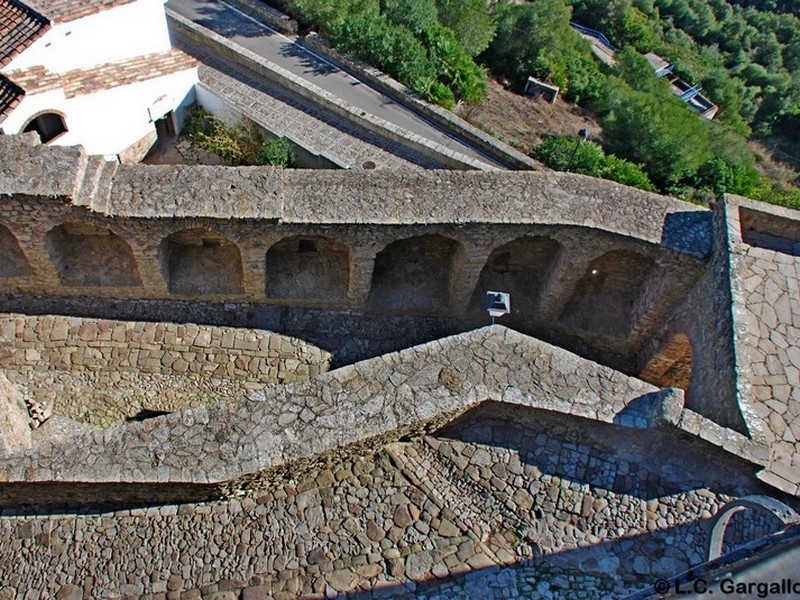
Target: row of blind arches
412	274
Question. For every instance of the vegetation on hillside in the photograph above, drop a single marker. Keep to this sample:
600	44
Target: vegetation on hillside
642	120
746	54
428	45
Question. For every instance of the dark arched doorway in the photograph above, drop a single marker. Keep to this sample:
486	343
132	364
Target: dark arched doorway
199	262
88	255
604	299
12	260
519	267
48	125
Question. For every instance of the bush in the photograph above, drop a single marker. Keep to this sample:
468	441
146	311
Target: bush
277	153
406	41
562	153
588	158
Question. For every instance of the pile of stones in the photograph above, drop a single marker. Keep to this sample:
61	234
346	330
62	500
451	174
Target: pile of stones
39	412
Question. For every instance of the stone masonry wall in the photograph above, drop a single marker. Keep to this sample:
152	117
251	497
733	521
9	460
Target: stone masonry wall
280	429
706	319
272	436
102	372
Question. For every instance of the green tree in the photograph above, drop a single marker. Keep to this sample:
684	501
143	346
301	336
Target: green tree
470	20
656	132
417	15
536	39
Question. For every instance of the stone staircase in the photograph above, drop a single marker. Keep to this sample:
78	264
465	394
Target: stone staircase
467	504
94	189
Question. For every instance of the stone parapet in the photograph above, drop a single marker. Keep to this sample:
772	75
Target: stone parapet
378	198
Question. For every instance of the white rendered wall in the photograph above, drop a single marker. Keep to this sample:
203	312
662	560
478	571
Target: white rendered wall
108	121
114	34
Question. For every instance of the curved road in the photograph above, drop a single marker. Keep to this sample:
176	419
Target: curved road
283	50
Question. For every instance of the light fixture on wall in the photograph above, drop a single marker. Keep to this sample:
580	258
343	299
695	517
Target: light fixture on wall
498	304
583	135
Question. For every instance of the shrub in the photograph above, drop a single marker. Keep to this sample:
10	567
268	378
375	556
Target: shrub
277	153
588	158
236	145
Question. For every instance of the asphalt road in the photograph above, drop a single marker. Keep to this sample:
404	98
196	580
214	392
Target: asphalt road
282	50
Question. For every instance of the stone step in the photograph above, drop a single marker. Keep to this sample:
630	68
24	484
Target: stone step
88	186
429	475
102	196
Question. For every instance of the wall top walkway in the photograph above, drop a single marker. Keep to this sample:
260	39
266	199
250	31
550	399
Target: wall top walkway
349	197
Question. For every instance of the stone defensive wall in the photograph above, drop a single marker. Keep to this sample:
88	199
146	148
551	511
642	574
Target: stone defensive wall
52	342
636	281
392	243
273	435
764	251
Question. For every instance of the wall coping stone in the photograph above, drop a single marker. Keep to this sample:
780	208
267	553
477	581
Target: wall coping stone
360	197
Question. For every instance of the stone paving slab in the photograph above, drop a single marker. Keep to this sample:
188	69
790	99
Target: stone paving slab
764	244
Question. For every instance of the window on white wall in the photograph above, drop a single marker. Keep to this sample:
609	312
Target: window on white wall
48	125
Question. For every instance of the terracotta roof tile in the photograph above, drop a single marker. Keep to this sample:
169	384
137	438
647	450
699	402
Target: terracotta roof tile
10	96
61	11
80	82
20	26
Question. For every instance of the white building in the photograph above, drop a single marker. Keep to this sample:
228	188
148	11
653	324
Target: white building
99	73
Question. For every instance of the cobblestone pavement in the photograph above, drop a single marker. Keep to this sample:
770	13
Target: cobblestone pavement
510	508
771	285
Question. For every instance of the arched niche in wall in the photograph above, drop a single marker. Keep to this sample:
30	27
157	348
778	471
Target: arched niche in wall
12	260
199	262
604	298
49	125
308	268
414	274
519	267
671	366
89	255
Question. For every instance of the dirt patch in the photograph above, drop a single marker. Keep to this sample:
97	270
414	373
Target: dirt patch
524	121
180	150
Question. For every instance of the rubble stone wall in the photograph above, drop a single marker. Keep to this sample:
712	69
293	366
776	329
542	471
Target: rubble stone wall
29	343
219	234
15	430
102	372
